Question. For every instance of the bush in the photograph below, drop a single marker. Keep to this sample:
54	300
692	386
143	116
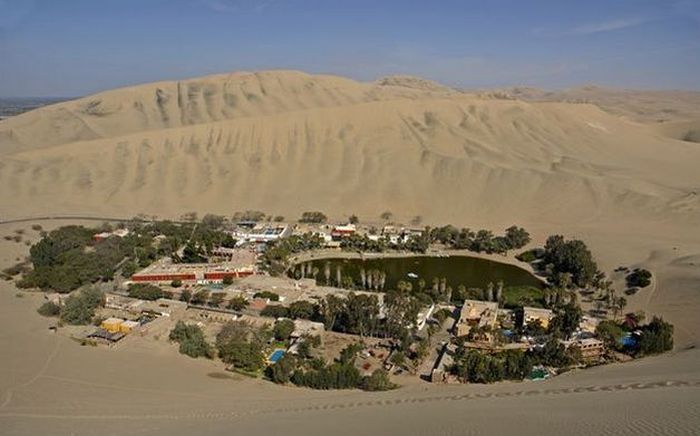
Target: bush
228	280
49	309
639	278
176	283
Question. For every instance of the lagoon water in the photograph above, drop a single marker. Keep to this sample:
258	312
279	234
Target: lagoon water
457	270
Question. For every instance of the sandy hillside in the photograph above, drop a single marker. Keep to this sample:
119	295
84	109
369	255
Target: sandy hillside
285	142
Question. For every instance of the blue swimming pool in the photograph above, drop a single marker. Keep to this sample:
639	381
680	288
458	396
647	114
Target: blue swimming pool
275	356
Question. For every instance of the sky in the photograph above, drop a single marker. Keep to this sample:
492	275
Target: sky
78	47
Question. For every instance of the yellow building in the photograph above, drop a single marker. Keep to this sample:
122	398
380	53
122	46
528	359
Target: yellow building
112	325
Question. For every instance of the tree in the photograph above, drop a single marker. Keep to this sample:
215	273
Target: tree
517	237
566	320
386	216
398	358
281	372
278	219
193	253
313	217
176	283
200	297
610	333
353	219
283	329
242	355
145	291
267	295
191	340
228	280
657	337
570	257
186	295
213	221
330	308
79	308
275	311
216	299
302	309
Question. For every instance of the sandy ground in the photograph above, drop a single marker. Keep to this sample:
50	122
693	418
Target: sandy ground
51	385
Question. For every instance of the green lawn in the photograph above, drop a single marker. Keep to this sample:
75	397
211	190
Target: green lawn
516	296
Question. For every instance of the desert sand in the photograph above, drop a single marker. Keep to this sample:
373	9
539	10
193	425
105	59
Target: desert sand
284	142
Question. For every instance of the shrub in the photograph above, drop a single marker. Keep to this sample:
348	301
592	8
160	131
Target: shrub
639	278
176	283
49	309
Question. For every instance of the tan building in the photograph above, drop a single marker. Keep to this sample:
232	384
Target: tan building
476	314
531	314
591	348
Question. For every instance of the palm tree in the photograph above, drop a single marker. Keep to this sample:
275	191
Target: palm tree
327	272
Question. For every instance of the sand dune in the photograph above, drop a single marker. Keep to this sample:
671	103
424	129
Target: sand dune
285	142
